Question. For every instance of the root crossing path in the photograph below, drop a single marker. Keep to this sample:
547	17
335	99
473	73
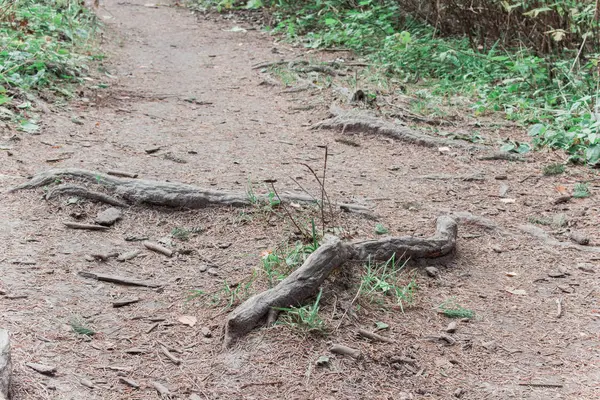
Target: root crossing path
178	102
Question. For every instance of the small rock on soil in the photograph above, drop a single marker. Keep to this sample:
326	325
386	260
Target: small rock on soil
109	216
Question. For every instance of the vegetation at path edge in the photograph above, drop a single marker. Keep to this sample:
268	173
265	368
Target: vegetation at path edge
536	62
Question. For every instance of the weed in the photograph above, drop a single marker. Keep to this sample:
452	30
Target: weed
278	264
43	47
381	230
383	280
554	169
305	319
581	190
451	309
181	234
227	296
80	328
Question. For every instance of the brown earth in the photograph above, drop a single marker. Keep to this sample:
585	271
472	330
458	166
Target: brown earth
185	83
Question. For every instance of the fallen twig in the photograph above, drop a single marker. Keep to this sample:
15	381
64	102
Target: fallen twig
117	279
170	356
374	336
346	351
158	248
91	227
123	174
559	309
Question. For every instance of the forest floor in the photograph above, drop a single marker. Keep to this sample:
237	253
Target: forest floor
183	84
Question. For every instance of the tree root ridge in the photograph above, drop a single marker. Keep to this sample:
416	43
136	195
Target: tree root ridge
159	193
305	281
364	121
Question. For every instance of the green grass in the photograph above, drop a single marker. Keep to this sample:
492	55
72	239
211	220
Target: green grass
227	296
80	328
44	46
554	169
304	319
380	229
581	190
382	281
451	309
278	264
552	92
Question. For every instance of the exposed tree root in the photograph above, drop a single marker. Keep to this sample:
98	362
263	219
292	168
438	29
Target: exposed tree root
169	194
305	281
80	191
360	120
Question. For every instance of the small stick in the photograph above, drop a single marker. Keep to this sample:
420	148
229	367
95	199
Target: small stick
104	257
374	336
129	382
124	302
117	279
288	213
153	327
346	351
75	225
158	248
170	356
540	384
161	389
245	385
123	174
559	309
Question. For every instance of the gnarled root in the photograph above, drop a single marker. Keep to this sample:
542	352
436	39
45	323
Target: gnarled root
305	281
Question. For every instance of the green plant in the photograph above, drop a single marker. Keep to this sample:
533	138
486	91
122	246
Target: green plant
80	328
451	309
554	169
305	319
383	280
44	45
533	62
181	234
226	296
278	264
581	190
380	229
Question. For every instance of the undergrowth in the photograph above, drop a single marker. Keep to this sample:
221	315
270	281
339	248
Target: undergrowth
551	85
44	45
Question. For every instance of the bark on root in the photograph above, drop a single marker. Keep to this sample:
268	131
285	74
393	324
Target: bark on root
363	121
305	281
168	194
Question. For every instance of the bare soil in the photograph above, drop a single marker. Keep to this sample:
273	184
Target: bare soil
185	83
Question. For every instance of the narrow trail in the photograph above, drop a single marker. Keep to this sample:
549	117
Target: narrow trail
184	86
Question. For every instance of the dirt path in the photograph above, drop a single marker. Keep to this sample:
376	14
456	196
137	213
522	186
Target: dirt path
186	86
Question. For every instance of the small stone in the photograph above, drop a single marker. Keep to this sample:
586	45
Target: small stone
89	258
458	393
206	332
503	190
556	363
432	271
556	274
565	288
42	369
451	328
109	216
152	150
194	396
586	267
87	383
497	248
580	238
202	267
213	271
491	345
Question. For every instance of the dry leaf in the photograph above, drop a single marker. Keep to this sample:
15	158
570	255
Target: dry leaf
561	189
188	320
519	292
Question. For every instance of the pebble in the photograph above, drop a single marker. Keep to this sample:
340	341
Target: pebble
432	271
586	267
213	271
109	216
451	327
